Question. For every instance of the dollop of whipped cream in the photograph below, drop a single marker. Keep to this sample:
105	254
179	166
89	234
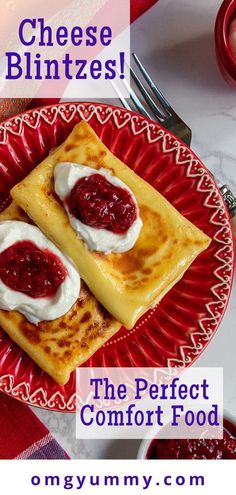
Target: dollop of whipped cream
40	308
66	174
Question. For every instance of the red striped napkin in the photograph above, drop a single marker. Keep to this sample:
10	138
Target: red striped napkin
13	106
138	7
23	436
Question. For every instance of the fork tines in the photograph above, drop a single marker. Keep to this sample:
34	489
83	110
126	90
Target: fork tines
158	106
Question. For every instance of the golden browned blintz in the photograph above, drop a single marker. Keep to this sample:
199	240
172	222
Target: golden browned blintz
59	346
129	283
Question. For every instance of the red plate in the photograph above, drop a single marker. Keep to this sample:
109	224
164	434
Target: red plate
175	332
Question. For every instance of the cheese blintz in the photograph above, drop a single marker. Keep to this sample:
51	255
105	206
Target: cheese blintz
127	283
59	346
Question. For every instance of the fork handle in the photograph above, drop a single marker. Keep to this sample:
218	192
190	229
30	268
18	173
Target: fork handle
230	201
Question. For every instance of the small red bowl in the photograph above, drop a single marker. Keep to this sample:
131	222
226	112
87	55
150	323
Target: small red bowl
226	61
229	423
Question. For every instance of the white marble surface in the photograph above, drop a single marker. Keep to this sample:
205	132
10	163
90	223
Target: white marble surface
175	39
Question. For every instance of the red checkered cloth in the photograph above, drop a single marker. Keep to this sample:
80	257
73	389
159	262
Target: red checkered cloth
138	7
23	436
13	106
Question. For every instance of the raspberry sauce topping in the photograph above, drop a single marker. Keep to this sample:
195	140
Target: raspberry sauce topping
194	449
98	203
26	268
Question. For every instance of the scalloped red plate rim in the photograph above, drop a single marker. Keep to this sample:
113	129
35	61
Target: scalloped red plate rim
70	406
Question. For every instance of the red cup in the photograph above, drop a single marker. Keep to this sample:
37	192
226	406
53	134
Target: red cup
225	59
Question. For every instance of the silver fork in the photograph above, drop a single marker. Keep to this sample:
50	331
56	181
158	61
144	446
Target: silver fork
162	112
160	108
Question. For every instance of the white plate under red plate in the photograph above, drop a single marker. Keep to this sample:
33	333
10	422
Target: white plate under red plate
176	331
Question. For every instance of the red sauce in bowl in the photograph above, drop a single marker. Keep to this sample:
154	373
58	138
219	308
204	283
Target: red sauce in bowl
194	449
98	203
26	268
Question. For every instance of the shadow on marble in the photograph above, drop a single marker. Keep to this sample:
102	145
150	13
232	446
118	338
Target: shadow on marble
193	59
123	449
